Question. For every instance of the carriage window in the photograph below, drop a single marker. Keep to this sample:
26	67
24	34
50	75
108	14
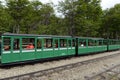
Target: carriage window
105	42
16	44
63	43
115	42
95	43
69	43
47	43
56	43
39	44
110	42
6	44
100	43
82	43
91	43
0	46
73	43
28	43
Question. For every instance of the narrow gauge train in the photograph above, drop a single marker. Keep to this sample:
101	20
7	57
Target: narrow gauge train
19	48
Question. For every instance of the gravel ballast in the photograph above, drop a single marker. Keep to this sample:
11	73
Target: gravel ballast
78	73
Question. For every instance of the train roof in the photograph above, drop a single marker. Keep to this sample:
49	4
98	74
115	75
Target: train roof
93	38
34	35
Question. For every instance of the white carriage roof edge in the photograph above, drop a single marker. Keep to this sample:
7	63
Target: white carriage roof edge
35	35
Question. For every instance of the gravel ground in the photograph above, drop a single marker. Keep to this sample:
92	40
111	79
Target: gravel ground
85	71
113	74
77	73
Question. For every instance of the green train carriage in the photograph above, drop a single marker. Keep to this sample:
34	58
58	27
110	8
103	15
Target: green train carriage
88	45
13	47
113	44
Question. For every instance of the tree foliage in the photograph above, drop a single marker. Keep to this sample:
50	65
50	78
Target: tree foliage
79	18
82	16
111	22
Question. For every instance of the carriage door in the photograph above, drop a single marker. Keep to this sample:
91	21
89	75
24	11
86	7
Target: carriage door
69	42
56	47
28	49
39	50
16	49
11	50
47	47
63	46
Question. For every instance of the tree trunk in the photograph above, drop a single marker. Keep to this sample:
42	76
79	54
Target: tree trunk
18	29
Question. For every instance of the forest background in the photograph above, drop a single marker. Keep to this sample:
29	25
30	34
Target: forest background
83	18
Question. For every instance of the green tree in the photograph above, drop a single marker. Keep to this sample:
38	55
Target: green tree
44	21
68	9
82	16
5	19
28	16
88	17
33	18
17	10
111	22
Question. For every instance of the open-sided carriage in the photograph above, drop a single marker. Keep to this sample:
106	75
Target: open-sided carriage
14	47
21	48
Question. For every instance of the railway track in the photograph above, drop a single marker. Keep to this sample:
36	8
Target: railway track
108	74
40	73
